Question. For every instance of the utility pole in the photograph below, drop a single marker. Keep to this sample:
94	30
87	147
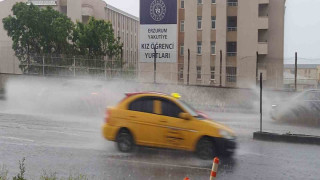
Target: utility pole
155	66
260	102
220	68
188	76
295	71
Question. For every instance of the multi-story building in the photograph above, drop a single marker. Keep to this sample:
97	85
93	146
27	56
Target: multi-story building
125	26
231	41
308	76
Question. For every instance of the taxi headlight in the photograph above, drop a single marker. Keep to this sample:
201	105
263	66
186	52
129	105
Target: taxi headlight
226	134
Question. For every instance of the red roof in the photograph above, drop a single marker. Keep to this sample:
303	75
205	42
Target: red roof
145	92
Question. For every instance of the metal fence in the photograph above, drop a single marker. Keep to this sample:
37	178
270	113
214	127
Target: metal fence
229	74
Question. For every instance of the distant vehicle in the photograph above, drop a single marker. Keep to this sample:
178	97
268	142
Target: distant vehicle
305	107
160	120
2	94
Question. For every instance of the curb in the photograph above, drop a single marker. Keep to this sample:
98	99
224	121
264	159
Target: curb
290	138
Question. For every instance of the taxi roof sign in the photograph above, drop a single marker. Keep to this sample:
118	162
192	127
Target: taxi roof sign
176	95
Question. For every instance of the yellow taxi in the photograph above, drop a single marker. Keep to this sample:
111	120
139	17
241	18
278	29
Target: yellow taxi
159	120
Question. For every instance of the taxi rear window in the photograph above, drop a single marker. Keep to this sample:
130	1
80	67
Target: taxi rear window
144	104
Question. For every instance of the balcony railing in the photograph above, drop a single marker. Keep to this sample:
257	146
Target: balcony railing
232	28
232	3
231	53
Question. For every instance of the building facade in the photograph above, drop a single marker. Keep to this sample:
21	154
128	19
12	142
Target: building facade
227	43
231	41
76	10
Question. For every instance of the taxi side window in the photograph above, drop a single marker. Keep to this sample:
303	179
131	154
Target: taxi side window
142	105
170	109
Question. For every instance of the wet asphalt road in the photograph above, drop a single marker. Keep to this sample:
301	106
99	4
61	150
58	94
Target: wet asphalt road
72	145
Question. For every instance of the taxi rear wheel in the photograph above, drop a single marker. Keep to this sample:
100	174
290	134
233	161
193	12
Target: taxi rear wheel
205	148
125	141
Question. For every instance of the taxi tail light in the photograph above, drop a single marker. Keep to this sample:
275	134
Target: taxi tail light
108	113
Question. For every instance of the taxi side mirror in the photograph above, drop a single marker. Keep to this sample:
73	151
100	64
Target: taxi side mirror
185	116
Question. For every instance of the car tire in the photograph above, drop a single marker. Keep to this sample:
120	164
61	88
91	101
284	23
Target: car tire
125	141
205	149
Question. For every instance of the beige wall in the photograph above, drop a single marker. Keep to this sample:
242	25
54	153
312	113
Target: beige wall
275	43
247	42
8	62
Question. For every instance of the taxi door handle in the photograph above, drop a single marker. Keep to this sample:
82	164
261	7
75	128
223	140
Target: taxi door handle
163	121
133	116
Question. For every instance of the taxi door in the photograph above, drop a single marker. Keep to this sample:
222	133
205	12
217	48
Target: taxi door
178	132
144	122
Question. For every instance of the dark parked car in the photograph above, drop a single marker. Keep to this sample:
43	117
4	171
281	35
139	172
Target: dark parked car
305	108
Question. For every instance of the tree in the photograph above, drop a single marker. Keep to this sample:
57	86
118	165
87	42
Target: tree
36	31
96	39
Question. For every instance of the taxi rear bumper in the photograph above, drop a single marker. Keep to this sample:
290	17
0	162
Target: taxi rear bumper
109	132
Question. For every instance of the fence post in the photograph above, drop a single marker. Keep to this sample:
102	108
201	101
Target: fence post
74	66
105	69
121	63
220	68
295	71
155	65
43	65
257	67
188	75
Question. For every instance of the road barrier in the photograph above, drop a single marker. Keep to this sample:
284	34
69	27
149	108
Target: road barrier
214	168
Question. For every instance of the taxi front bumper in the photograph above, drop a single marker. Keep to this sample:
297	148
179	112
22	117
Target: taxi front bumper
226	147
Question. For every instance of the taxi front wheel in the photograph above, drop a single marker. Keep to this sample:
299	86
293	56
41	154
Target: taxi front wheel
205	148
125	141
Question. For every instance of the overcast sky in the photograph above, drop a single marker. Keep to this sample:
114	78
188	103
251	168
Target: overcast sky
302	27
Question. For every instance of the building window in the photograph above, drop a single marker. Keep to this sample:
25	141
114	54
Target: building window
231	74
213	1
212	70
182	4
213	22
199	2
292	71
181	73
181	49
232	2
199	24
232	23
198	72
182	26
263	10
199	44
213	47
231	48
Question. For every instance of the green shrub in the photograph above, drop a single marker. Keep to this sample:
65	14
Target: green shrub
20	175
3	173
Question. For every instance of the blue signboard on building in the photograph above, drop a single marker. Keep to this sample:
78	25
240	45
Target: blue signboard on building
158	31
158	11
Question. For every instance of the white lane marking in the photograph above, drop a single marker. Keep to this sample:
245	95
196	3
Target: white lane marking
15	138
17	144
161	164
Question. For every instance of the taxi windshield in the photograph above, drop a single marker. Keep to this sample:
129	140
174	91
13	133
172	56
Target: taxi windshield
189	108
